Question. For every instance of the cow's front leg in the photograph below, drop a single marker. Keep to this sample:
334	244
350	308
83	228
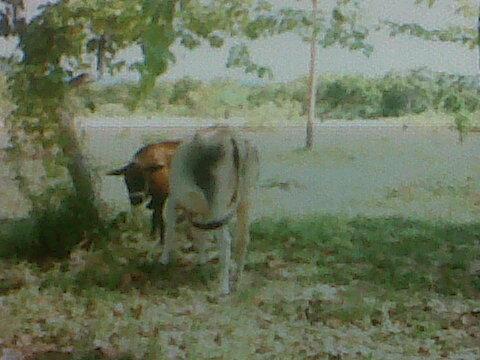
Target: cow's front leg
136	212
158	225
224	240
154	222
170	216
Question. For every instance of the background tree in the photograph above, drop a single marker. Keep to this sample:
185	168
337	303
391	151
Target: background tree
467	34
311	79
336	23
12	18
112	28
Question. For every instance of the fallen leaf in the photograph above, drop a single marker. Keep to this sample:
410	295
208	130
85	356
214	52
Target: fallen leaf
118	310
424	351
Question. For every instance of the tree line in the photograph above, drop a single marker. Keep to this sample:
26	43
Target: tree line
337	97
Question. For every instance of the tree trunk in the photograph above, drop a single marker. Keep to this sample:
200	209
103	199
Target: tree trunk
13	18
19	16
101	57
311	80
77	168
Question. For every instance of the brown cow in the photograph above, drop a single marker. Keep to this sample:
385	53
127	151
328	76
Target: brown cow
148	175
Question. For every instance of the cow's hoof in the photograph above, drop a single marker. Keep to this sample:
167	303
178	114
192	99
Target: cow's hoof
233	284
224	292
165	259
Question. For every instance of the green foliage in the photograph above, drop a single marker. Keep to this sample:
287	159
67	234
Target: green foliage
454	34
407	95
393	95
5	99
114	25
346	28
53	46
49	232
219	99
342	27
272	114
182	90
466	35
463	123
453	103
345	97
349	96
239	56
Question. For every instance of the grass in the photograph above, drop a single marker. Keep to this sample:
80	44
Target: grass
318	287
391	253
51	231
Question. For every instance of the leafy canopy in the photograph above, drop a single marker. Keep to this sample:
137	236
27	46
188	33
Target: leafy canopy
465	33
58	39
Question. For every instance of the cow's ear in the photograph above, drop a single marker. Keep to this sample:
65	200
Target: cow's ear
118	172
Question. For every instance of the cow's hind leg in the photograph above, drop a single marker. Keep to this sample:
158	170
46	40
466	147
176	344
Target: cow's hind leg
154	222
170	214
158	225
243	237
224	240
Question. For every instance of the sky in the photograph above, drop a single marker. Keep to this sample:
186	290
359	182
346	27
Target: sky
288	56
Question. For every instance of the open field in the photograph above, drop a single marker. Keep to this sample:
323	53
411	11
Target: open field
367	248
371	171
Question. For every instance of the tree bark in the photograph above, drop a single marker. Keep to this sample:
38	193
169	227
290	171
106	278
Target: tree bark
78	169
13	19
311	80
76	166
101	57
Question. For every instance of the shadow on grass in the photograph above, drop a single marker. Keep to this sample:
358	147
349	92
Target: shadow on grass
86	355
49	233
142	276
384	253
120	261
389	253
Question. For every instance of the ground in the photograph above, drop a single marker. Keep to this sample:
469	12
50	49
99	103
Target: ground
367	248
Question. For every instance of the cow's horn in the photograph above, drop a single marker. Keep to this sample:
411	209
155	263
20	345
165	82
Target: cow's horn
117	172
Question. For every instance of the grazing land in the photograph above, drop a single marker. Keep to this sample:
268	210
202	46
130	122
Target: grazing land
366	248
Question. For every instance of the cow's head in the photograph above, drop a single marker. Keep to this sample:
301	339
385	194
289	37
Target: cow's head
135	181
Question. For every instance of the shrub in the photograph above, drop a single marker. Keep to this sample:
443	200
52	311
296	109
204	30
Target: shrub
5	102
271	114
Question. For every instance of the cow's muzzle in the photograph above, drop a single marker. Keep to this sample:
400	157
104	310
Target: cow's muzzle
136	198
